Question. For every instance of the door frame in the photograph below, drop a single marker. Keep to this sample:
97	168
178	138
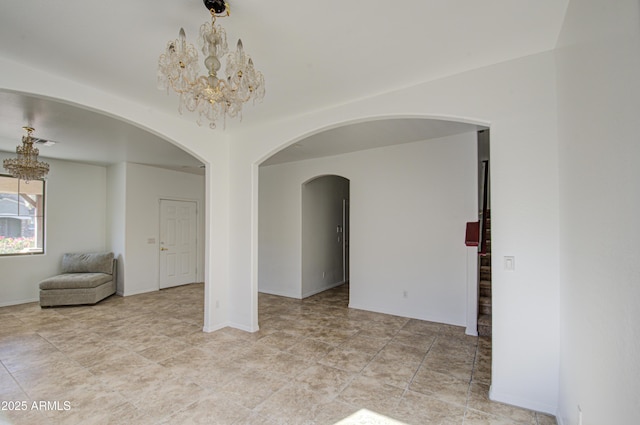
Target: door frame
197	229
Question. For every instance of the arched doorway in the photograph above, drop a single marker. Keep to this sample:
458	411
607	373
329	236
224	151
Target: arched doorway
325	234
411	182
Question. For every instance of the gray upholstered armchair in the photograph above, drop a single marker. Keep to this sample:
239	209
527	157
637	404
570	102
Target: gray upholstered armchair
85	279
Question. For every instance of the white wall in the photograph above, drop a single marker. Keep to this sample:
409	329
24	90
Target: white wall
145	186
213	149
599	108
117	219
517	100
280	239
409	207
86	211
75	221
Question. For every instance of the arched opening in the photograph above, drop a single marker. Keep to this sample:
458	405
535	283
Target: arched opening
325	234
413	186
118	171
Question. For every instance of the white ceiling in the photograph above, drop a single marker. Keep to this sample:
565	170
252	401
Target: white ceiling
368	135
85	136
312	56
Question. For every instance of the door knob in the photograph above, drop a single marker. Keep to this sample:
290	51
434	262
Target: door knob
164	249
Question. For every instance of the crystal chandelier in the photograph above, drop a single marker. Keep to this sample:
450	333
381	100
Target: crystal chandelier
26	166
210	96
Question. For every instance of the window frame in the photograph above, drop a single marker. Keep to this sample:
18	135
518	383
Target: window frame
41	216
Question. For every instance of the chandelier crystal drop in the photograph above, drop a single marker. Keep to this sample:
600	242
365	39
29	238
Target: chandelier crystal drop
26	166
211	96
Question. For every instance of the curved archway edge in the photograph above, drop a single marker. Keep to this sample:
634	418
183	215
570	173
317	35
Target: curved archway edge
434	118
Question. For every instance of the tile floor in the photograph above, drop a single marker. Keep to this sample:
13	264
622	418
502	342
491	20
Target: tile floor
144	360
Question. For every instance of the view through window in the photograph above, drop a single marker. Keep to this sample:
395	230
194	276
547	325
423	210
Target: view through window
21	216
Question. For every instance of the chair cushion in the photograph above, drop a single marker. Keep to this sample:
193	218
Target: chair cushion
76	281
100	262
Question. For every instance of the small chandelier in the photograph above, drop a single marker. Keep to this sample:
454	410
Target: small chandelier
26	166
210	96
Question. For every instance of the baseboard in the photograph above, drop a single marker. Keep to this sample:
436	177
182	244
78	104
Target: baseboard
219	326
471	331
520	402
142	291
244	328
214	328
279	294
326	288
18	302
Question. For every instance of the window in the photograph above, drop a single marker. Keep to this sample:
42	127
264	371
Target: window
21	216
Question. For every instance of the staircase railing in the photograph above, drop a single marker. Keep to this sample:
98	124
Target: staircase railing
484	234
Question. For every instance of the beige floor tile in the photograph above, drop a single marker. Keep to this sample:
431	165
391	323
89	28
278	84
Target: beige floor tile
372	331
544	419
311	349
364	344
459	367
422	327
51	383
144	360
372	394
332	336
397	374
324	380
213	409
395	352
420	409
162	350
479	400
162	399
255	419
442	386
87	404
9	388
350	361
367	417
24	417
250	388
473	417
293	404
481	374
333	412
420	341
279	340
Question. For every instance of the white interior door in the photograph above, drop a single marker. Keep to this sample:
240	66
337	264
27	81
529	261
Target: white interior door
177	242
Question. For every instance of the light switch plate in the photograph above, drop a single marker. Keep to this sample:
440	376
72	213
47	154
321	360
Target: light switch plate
509	263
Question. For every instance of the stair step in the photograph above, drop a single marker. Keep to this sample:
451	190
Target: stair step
484	319
484	305
484	325
485	288
484	301
485	272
